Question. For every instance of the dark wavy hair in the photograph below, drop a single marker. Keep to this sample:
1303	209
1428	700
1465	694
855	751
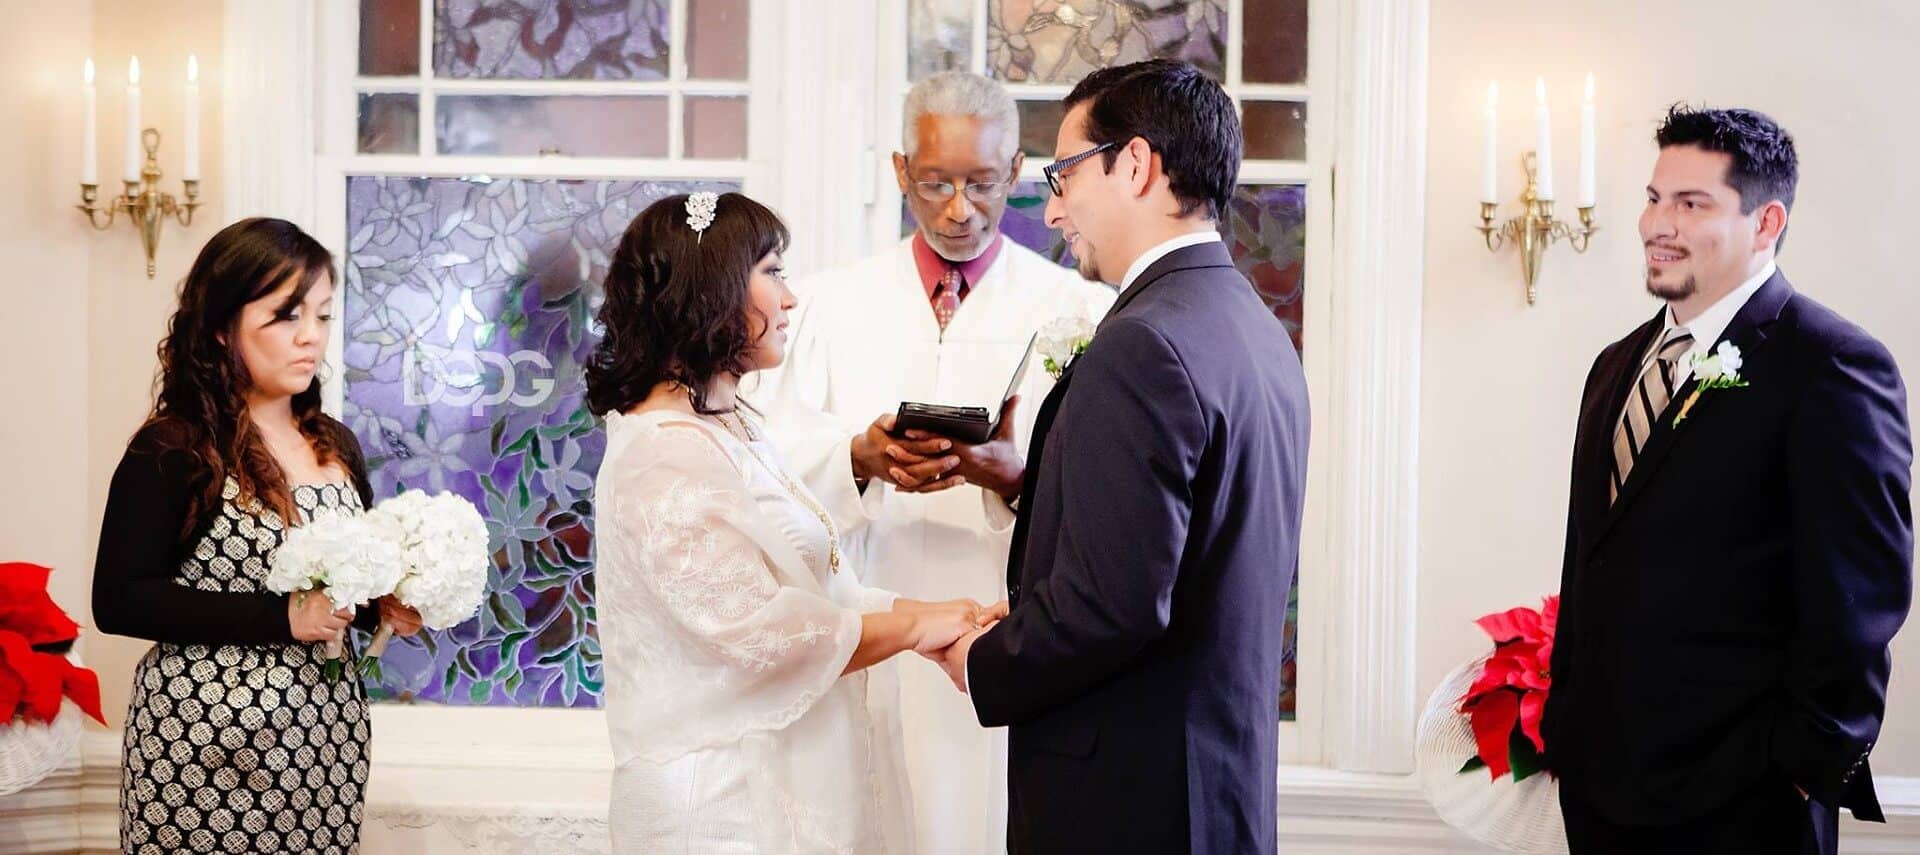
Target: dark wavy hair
1184	116
200	408
1765	166
677	301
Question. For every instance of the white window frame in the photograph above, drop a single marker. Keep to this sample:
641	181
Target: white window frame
337	129
568	746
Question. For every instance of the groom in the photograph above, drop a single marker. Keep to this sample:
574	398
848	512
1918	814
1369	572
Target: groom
1739	542
1159	522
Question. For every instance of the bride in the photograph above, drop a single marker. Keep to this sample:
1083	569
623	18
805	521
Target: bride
735	638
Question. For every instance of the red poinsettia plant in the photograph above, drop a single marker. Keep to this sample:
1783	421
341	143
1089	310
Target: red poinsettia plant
34	637
1505	704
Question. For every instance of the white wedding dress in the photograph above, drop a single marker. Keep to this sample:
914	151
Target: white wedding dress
724	633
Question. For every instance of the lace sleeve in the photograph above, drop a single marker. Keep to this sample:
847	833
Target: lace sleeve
699	623
845	588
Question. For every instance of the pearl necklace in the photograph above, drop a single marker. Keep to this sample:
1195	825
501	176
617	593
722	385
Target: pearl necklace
747	436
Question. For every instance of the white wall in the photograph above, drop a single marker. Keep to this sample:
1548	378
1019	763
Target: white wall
81	321
127	312
1502	381
43	351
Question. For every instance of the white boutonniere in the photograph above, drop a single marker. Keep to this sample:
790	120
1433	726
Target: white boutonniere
1718	370
1063	339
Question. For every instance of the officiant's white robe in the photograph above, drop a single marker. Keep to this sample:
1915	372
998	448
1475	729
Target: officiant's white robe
862	340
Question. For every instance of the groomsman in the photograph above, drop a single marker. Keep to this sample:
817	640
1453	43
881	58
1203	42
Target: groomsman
1739	540
942	317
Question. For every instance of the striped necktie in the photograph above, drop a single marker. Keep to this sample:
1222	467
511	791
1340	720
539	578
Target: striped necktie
1645	404
946	296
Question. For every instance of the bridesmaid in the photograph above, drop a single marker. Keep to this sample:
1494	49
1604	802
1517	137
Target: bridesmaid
234	741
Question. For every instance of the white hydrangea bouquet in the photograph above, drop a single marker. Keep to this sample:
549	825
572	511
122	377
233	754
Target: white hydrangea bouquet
354	558
442	543
1061	340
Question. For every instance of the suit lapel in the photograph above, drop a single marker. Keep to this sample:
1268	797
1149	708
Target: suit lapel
1596	453
1747	331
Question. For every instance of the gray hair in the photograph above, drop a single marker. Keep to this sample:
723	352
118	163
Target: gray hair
958	93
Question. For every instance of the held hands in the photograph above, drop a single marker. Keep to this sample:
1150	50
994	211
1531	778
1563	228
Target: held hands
953	659
312	617
937	625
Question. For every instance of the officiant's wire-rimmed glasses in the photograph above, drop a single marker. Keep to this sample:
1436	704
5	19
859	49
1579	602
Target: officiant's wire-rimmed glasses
980	192
1054	169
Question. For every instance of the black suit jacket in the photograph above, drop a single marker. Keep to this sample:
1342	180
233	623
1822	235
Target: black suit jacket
1158	536
1724	624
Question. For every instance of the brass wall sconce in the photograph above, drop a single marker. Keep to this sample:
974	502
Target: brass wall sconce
1535	229
143	202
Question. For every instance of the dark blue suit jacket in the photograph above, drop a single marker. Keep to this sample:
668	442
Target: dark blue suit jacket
1159	532
1724	624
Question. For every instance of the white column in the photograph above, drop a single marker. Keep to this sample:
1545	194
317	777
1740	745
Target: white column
267	115
825	187
1368	700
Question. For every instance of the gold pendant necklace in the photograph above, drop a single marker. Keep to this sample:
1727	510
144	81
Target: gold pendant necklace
746	435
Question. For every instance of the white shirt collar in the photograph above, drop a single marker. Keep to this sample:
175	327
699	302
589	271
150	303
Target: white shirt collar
1147	258
1708	327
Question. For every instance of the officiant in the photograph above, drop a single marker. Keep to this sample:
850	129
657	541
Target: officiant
943	317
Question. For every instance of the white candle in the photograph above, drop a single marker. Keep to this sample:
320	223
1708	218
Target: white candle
191	171
134	161
89	132
1543	144
1586	197
1490	164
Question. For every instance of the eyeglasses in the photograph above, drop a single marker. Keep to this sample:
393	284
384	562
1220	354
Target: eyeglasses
1054	169
982	192
979	192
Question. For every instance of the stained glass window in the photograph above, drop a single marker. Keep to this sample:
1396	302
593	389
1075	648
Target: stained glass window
547	39
389	37
939	36
579	125
468	301
1040	47
1266	231
469	310
389	123
639	96
1056	41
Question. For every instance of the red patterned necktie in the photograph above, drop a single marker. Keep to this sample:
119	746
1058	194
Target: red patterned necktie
946	296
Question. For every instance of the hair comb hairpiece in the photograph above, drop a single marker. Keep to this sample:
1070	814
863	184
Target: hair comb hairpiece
700	210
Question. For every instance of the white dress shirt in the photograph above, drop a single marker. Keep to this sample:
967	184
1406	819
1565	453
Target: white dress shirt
1161	250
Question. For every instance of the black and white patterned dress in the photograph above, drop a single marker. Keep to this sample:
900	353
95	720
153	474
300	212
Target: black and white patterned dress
239	747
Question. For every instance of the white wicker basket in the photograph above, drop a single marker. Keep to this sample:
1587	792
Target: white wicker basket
1522	817
29	751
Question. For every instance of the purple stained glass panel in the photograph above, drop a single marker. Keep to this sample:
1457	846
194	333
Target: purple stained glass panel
1267	234
551	39
469	308
1061	41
